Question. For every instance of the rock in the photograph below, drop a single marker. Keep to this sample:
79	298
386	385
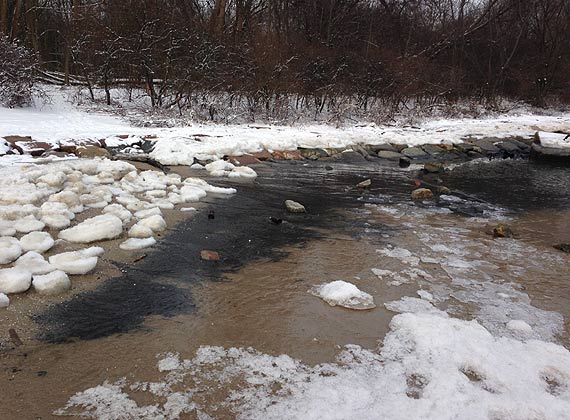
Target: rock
329	168
433	167
243	160
294	207
563	247
422	194
404	162
90	151
387	154
446	147
502	231
487	146
67	148
432	149
312	154
509	147
383	147
275	220
414	152
14	280
53	283
206	255
361	150
364	184
465	147
350	156
4	301
263	155
443	190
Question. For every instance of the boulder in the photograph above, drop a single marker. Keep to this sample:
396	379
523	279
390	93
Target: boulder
414	152
364	184
243	160
390	155
90	151
313	154
433	167
263	155
404	162
432	149
422	194
294	207
563	247
383	147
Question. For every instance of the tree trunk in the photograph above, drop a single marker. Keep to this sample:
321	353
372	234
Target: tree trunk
218	18
3	16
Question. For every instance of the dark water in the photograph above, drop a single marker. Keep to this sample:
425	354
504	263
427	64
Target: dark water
517	185
240	232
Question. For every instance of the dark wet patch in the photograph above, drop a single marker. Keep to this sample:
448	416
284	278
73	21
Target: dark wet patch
516	185
241	231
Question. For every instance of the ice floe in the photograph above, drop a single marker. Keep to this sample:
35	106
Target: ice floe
14	280
37	241
98	228
10	249
77	262
344	294
53	283
34	262
137	243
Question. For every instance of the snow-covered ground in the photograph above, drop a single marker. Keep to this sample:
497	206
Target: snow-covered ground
62	122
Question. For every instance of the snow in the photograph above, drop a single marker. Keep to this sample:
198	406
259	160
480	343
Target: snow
37	241
76	262
98	228
344	294
191	193
139	231
53	283
556	140
34	262
4	301
10	249
14	280
137	243
444	368
519	326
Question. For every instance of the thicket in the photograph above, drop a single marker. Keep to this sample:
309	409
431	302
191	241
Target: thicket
275	55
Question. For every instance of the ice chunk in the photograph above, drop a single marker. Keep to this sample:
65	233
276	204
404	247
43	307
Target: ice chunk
344	294
190	193
119	211
76	262
14	280
7	228
219	166
425	295
381	273
413	305
37	241
106	226
51	284
56	221
242	172
10	249
140	231
29	224
137	243
519	326
142	214
4	301
156	223
200	183
185	209
35	263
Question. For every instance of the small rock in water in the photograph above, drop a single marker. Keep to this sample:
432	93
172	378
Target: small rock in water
422	194
344	294
294	207
502	231
329	168
404	162
275	220
563	247
433	167
206	255
364	184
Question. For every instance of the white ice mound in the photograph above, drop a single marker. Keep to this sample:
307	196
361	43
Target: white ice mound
29	224
76	262
4	301
52	284
156	223
243	172
7	228
142	214
140	231
344	294
10	249
37	241
200	183
191	193
35	263
106	226
14	280
119	211
137	243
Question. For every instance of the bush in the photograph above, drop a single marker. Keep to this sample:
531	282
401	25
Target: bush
17	68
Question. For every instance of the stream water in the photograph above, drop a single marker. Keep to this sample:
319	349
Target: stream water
418	258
